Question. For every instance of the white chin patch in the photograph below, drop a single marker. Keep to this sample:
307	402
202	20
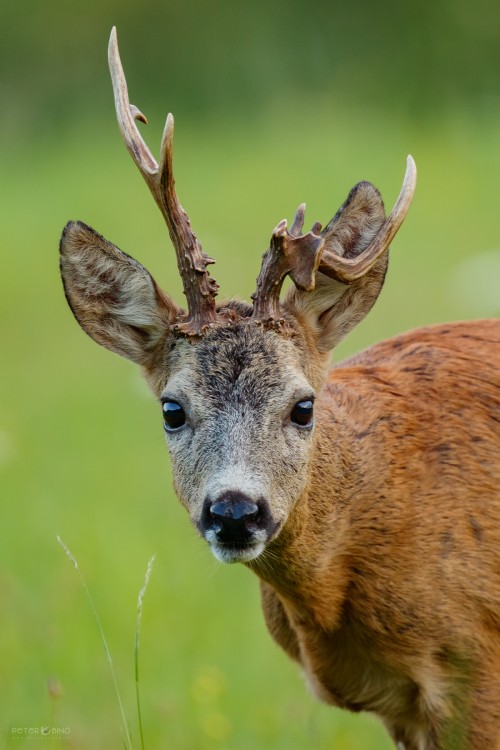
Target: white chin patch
230	555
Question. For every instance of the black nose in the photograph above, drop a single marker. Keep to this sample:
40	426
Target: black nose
233	517
230	511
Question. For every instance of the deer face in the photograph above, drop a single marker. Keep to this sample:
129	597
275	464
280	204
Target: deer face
236	384
238	415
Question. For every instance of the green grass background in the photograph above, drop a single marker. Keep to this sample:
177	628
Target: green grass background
81	443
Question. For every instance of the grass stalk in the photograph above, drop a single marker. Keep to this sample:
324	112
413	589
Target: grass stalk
140	599
126	738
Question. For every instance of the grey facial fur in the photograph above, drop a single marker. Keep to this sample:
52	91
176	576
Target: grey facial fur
238	387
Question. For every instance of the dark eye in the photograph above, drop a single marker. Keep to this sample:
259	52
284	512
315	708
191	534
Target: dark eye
174	415
302	413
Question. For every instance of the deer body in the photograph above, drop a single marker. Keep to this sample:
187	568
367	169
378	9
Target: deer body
385	584
366	499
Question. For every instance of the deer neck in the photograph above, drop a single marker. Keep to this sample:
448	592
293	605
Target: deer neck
307	563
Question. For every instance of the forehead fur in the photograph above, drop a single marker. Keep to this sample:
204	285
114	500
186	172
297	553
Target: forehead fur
242	361
238	354
229	354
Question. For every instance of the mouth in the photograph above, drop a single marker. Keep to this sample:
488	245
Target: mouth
233	553
237	530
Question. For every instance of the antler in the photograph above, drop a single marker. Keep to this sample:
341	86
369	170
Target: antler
289	253
350	269
200	289
302	255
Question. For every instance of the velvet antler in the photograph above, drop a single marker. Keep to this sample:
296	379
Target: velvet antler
200	289
301	255
290	252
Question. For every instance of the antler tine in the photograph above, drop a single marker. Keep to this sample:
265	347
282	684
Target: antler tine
350	269
298	221
200	289
127	113
289	253
302	255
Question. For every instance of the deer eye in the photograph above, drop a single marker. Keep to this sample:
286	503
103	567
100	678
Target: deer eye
174	415
302	413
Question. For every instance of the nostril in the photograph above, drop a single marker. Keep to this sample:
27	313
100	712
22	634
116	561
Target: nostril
234	511
235	519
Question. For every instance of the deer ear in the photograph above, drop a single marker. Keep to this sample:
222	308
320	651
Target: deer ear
114	299
333	308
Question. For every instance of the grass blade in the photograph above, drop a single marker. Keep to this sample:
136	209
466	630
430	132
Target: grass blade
140	599
126	739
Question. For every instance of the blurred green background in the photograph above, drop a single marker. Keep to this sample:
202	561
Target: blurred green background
275	102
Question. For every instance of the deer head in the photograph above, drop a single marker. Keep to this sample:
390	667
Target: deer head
236	382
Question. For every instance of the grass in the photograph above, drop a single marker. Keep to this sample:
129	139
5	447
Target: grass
140	599
126	736
81	444
125	730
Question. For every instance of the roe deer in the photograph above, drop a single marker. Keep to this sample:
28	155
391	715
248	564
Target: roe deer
374	525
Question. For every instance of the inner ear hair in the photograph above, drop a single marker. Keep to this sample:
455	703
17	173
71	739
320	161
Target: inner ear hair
113	297
334	307
356	223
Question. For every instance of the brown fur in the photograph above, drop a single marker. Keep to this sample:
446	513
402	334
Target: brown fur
385	582
381	575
